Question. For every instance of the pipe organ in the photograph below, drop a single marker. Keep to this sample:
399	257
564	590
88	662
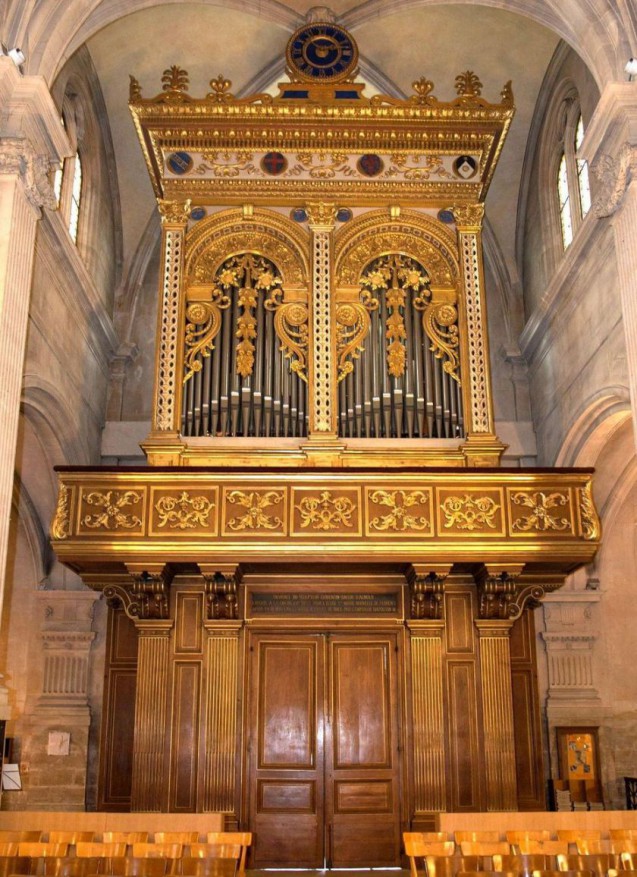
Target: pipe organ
324	531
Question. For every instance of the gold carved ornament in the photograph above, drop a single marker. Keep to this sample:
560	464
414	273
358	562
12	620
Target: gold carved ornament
590	522
183	512
61	526
352	325
255	518
540	505
325	512
469	512
112	504
398	517
245	276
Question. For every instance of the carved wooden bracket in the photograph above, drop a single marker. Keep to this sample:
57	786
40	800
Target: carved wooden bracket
221	582
145	596
501	596
426	583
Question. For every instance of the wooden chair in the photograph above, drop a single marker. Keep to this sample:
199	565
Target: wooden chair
243	838
448	866
572	835
476	836
157	851
428	836
222	860
599	864
70	837
10	865
45	857
98	850
562	873
176	837
76	866
487	874
544	847
7	836
9	848
416	848
485	850
623	834
522	865
628	859
133	866
619	846
127	837
517	837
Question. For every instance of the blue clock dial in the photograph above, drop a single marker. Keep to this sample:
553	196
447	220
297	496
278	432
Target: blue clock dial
322	51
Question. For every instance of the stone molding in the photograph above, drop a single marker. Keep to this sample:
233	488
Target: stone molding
614	174
17	156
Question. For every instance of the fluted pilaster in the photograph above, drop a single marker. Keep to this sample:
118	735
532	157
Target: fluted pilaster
430	789
322	395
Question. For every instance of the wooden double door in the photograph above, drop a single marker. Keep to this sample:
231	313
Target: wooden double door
323	756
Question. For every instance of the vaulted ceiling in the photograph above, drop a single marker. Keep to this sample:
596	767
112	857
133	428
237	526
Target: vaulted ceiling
397	46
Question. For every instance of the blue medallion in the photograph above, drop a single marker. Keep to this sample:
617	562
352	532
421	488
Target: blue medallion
180	163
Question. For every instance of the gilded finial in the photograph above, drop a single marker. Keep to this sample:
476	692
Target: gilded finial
134	89
175	81
220	93
507	95
468	84
422	92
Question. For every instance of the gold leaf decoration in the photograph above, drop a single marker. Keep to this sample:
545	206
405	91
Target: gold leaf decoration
325	512
203	321
255	518
588	515
468	84
112	504
183	512
352	326
61	526
399	502
470	512
540	505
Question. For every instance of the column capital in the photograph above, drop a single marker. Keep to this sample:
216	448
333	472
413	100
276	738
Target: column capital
321	215
18	157
173	212
427	589
221	582
468	217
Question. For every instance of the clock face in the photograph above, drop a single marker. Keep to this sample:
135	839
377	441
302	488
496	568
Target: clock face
322	51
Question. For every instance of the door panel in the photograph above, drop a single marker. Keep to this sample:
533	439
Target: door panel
286	772
323	766
362	757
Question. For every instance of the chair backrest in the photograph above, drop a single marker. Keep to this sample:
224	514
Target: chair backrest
70	837
10	865
222	860
448	866
546	847
243	838
622	833
562	874
515	837
476	836
127	837
7	836
176	837
40	850
619	846
9	848
429	836
93	850
487	874
157	850
134	866
417	848
523	865
592	847
598	864
572	835
628	860
485	848
75	866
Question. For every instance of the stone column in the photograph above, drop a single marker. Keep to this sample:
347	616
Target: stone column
163	445
610	146
323	422
482	446
32	140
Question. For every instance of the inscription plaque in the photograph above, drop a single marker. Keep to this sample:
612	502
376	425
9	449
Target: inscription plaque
278	604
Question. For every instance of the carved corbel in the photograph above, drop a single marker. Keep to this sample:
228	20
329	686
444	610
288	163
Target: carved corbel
221	583
614	174
145	595
17	156
426	583
498	592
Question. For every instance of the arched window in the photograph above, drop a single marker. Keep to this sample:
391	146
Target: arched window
67	181
76	195
573	187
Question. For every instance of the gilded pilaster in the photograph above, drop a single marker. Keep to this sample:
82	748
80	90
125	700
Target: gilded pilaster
222	668
323	366
497	710
166	414
430	789
483	447
150	764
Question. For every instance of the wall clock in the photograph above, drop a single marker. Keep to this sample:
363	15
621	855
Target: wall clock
321	51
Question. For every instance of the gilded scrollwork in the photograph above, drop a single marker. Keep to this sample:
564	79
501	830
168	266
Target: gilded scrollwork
174	212
61	526
112	505
183	512
291	323
469	512
399	516
540	517
326	512
203	321
588	516
352	326
256	517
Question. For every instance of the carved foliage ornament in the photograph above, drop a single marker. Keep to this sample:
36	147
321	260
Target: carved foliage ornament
61	526
256	503
17	156
470	512
540	517
399	516
590	522
326	512
183	512
175	82
113	510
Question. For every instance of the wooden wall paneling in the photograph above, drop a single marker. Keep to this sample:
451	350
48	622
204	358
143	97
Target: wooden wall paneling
428	720
464	755
497	710
526	715
184	738
219	775
118	725
150	768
